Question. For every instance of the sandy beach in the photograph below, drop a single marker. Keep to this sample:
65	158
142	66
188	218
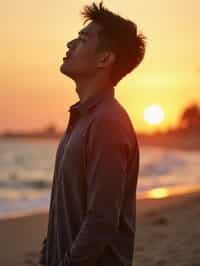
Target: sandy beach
168	233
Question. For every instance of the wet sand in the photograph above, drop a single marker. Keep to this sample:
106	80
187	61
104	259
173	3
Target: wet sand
168	233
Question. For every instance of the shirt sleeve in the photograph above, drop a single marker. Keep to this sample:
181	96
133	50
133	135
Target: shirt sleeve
106	173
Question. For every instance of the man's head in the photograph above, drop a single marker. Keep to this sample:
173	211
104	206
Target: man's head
109	45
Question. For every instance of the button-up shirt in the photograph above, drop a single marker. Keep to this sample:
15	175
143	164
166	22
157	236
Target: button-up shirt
92	213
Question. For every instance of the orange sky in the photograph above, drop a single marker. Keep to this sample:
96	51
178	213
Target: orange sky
33	92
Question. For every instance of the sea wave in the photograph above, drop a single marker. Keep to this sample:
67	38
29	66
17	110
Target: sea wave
26	172
21	184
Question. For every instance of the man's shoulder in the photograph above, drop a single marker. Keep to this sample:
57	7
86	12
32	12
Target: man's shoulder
111	118
111	110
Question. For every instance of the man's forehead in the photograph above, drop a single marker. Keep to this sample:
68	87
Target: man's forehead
91	29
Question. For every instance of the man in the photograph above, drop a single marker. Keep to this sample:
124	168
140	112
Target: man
93	199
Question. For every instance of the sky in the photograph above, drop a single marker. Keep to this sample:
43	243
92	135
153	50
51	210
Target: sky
34	93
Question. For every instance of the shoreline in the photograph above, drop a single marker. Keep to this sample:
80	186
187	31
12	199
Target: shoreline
156	193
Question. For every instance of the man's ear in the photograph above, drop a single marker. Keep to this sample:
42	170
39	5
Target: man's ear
106	59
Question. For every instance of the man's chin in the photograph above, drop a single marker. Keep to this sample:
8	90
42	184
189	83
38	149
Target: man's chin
65	71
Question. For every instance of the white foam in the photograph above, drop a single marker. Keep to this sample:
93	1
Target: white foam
24	205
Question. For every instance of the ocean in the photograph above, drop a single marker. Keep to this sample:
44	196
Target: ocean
26	172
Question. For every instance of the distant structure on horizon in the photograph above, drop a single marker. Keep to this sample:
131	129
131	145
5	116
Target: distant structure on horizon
48	132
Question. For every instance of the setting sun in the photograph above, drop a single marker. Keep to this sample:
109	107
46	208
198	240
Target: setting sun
153	114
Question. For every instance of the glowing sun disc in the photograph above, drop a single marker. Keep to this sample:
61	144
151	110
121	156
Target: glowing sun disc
153	114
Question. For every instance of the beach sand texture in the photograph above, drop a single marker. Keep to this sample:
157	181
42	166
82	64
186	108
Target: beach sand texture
168	233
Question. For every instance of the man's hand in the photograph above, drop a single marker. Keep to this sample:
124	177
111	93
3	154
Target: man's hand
41	261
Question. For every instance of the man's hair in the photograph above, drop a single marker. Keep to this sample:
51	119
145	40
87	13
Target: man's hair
118	35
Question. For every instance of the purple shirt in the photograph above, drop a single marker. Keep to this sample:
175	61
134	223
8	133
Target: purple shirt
92	214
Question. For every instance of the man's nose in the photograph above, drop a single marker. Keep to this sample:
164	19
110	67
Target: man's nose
71	44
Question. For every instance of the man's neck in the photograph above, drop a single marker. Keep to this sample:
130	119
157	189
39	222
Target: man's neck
85	90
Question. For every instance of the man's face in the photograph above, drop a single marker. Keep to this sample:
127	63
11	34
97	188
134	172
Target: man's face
82	59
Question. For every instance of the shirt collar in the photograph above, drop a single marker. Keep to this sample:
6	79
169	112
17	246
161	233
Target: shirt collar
92	101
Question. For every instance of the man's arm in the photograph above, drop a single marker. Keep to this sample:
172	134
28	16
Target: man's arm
107	156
